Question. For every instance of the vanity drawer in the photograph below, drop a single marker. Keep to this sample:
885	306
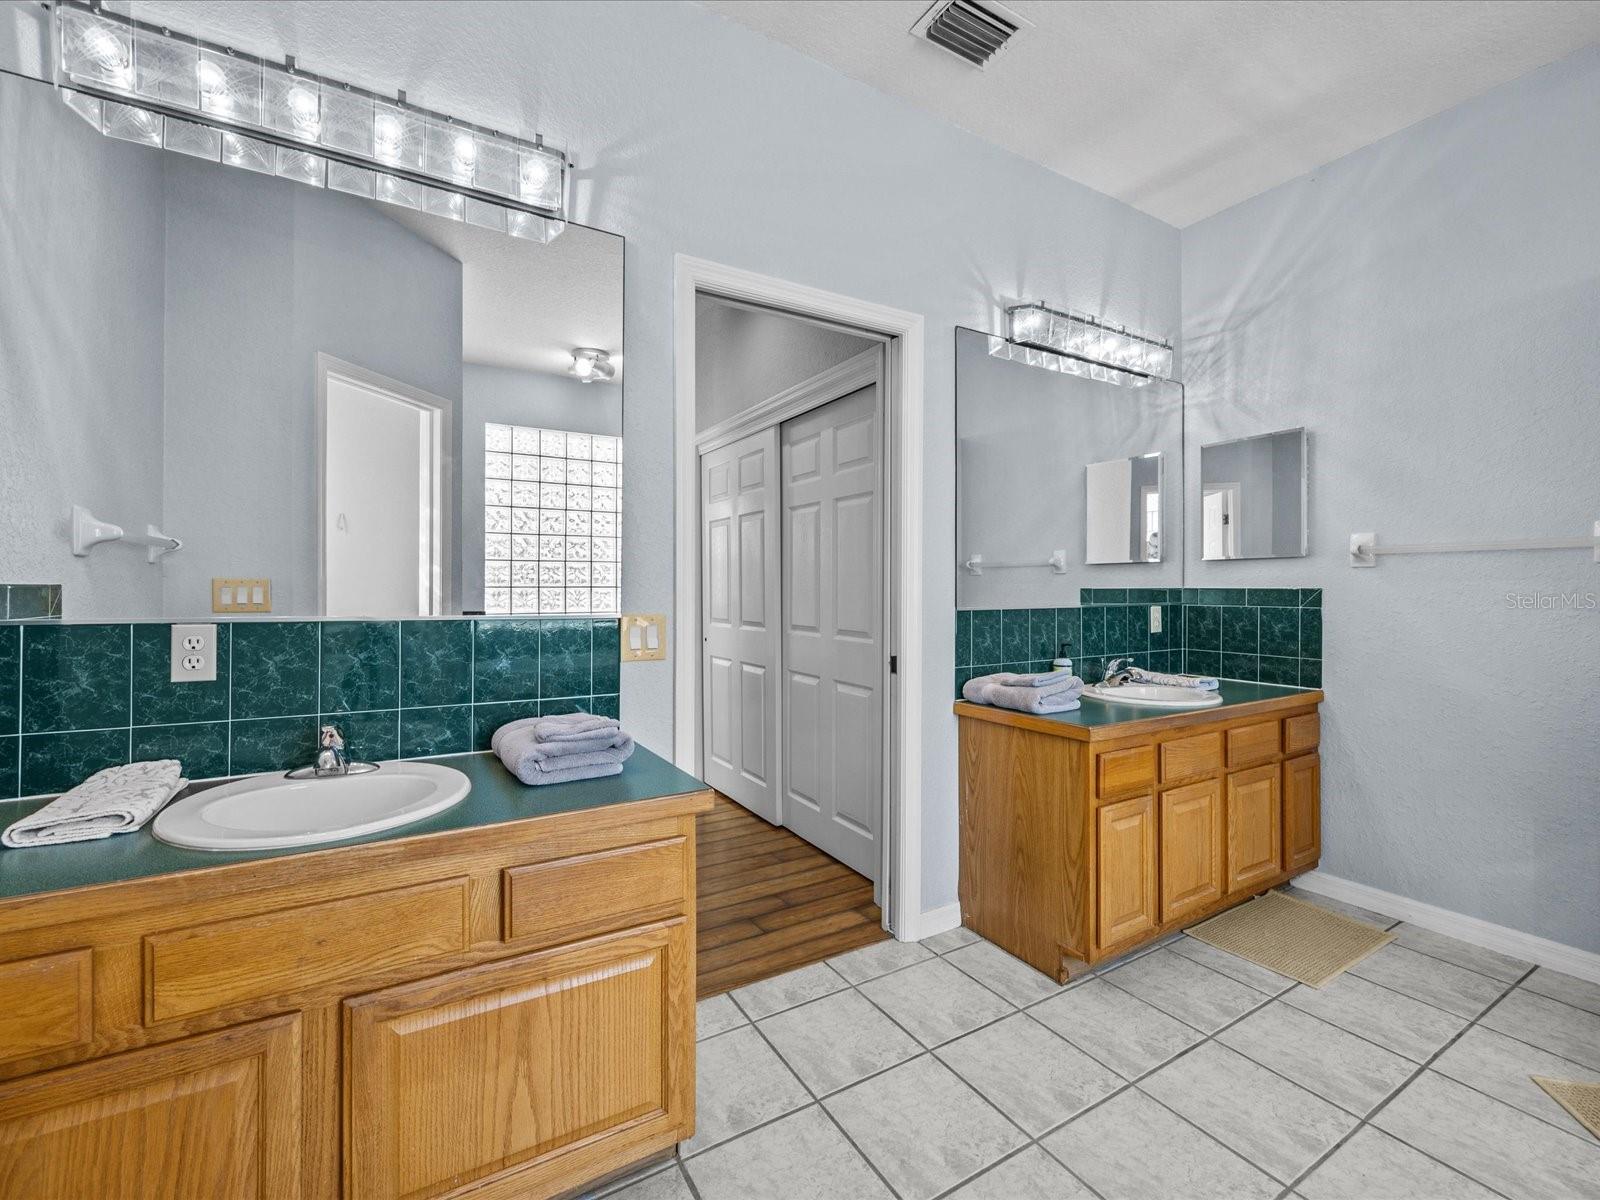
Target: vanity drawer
46	1004
586	894
1125	772
1251	744
1191	757
1301	733
295	950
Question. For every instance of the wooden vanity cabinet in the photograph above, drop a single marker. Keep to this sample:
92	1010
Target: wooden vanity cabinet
1079	843
506	1010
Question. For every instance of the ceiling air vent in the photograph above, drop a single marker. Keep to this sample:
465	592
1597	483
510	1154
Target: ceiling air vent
974	32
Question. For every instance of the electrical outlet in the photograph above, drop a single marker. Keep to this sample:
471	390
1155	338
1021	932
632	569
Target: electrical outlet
194	653
1155	618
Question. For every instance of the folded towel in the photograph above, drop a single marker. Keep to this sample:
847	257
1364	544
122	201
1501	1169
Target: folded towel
593	753
569	726
983	690
1204	683
115	800
1050	680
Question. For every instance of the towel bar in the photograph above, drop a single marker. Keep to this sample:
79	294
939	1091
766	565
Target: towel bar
1057	562
1365	547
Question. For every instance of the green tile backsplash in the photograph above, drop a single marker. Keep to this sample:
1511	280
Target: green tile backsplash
76	698
1266	635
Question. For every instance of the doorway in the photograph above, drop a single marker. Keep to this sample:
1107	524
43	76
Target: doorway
384	504
737	671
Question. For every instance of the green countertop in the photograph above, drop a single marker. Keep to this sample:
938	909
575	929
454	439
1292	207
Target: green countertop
496	796
1101	714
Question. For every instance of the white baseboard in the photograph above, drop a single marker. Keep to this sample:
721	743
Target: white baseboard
934	920
1569	960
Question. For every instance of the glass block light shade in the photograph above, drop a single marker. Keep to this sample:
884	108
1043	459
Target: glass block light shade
168	76
1072	340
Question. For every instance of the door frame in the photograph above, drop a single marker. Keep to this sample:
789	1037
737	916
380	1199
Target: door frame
903	409
442	432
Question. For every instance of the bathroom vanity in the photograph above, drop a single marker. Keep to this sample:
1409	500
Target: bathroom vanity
1088	833
498	1000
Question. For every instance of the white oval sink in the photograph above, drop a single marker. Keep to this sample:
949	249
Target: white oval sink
1153	695
270	812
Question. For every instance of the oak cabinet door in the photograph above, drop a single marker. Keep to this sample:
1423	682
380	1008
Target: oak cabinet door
1302	812
1191	847
1255	827
1125	844
215	1115
500	1069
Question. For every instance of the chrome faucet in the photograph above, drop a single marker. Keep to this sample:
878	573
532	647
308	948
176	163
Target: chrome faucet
1117	673
331	758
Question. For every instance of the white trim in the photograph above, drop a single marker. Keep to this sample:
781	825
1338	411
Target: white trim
1570	960
935	920
905	407
851	375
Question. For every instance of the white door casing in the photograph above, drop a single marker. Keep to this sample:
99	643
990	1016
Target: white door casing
739	620
833	642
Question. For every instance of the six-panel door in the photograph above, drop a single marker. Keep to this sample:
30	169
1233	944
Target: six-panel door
500	1068
1255	827
214	1115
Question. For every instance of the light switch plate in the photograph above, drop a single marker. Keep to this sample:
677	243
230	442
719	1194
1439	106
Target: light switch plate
241	595
194	653
1155	618
644	637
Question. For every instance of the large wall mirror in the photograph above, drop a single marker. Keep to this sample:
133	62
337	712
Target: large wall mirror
1053	466
375	409
1253	497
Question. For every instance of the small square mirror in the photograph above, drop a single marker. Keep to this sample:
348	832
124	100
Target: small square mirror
1253	497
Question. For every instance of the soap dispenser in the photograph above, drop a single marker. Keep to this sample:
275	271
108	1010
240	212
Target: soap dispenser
1063	661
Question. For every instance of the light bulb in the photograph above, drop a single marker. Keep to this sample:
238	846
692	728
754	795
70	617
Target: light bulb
386	134
305	111
466	153
109	53
213	83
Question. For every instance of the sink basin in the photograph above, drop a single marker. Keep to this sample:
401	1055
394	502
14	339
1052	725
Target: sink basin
1153	695
270	812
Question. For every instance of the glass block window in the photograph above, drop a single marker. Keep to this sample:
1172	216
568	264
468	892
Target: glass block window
552	522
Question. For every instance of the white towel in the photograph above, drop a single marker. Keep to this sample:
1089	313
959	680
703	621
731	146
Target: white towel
1201	683
115	800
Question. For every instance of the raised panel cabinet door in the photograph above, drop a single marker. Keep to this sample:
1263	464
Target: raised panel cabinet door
1302	812
520	1067
210	1116
1191	847
1255	827
1125	869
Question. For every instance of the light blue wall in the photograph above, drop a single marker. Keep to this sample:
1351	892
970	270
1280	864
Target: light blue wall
80	350
696	136
1428	306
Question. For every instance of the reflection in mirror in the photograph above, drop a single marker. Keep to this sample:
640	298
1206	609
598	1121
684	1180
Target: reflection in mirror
1122	510
1050	462
373	410
1253	497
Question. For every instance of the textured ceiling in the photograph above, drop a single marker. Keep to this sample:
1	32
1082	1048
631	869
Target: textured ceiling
527	305
1182	109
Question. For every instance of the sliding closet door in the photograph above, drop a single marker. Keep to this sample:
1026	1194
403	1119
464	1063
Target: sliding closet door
739	586
833	642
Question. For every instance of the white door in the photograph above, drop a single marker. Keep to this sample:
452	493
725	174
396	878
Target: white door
1219	522
833	641
739	586
381	495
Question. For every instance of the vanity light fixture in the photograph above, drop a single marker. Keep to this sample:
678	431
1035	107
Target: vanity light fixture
143	83
1075	344
592	366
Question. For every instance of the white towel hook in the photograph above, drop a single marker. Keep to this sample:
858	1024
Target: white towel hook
88	531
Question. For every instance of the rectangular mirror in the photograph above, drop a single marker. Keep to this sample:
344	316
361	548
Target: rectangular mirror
359	407
1050	464
1122	510
1253	496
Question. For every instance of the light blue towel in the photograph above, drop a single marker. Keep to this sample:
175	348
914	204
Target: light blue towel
1203	683
589	751
986	689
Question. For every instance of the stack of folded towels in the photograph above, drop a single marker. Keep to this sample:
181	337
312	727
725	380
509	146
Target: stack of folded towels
562	749
1045	692
115	800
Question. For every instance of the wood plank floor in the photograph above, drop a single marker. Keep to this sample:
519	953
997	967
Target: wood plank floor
770	901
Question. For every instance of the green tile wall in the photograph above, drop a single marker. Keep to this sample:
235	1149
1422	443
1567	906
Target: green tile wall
1271	635
76	698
